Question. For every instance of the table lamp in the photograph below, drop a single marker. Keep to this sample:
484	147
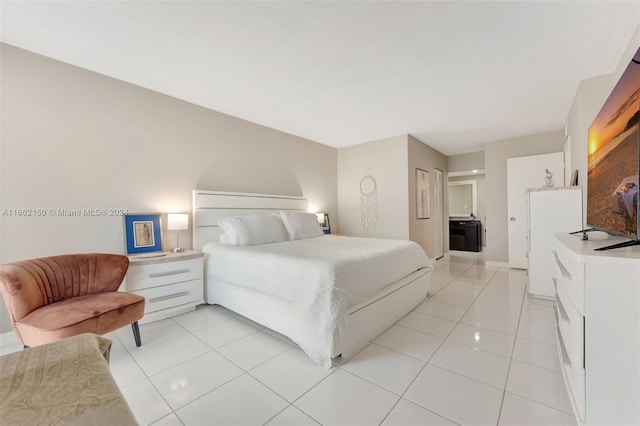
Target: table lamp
177	222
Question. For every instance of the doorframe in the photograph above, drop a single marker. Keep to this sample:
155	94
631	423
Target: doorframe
439	214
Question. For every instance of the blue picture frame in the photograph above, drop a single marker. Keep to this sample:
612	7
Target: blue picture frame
143	233
326	225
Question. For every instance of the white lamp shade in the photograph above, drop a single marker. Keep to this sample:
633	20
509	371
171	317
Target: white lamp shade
177	221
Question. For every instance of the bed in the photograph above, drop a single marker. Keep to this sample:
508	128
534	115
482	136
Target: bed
329	294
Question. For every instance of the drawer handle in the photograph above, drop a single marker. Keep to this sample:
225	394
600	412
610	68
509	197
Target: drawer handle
168	273
563	270
563	313
563	350
168	296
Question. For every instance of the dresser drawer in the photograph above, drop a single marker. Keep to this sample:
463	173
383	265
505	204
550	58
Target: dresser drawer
168	296
146	276
574	378
571	328
571	279
570	342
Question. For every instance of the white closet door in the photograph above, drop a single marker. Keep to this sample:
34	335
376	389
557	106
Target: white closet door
524	173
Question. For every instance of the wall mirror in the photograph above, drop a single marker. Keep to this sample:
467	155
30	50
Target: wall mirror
463	198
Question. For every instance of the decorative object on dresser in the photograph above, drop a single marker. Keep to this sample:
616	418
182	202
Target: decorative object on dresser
143	233
550	210
574	178
54	297
172	284
177	222
598	328
548	179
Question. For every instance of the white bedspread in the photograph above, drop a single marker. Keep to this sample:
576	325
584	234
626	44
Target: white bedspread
322	275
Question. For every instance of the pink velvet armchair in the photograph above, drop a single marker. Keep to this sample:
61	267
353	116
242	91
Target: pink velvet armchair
51	298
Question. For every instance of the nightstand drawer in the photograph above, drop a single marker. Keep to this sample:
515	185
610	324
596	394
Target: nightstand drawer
168	296
146	276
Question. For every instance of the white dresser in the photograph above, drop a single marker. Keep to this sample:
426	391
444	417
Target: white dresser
550	210
598	328
171	284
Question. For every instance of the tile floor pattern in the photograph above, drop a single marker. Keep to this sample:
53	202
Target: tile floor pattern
478	351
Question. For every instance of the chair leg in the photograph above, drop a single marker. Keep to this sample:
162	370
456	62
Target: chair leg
136	333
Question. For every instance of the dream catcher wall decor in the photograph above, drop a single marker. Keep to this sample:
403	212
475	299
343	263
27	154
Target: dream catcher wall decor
368	203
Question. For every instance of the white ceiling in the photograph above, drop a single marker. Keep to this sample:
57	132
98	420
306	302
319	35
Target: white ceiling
454	74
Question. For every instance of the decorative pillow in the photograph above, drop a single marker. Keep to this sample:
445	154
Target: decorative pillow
252	230
301	225
224	238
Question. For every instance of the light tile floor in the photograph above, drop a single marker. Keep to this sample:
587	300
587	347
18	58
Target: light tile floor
479	351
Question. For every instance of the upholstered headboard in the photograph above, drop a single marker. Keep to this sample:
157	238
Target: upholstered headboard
211	206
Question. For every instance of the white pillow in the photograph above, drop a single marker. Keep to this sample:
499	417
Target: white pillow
251	230
301	225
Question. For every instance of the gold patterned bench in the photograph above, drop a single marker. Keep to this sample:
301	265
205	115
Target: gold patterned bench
66	382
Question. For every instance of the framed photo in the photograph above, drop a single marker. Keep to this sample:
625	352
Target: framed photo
574	178
326	226
143	233
422	194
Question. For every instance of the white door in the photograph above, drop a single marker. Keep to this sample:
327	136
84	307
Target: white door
524	173
438	215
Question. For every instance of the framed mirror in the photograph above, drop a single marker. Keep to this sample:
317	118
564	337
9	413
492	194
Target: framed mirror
463	199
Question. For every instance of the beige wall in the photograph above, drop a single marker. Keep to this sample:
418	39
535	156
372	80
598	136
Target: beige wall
392	162
386	161
496	154
466	162
586	105
77	139
422	231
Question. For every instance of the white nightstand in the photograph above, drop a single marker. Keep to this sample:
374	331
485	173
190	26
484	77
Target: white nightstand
171	284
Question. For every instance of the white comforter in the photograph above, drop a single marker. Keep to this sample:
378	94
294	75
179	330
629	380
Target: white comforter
322	275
